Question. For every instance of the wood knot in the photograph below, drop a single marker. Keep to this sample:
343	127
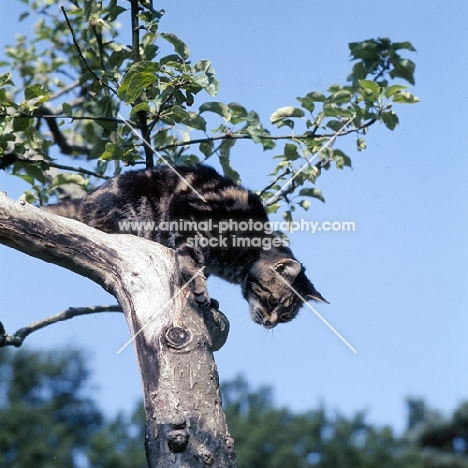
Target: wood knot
177	337
177	440
206	456
230	443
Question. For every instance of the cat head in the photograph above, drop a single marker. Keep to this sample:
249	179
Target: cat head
268	292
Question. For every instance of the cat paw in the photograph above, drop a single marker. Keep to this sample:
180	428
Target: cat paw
203	300
214	304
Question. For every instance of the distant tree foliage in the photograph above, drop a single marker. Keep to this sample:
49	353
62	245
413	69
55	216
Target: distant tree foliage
48	420
46	415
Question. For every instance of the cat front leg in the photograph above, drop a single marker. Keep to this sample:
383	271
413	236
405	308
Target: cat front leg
191	261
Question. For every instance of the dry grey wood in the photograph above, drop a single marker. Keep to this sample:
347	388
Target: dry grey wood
174	341
19	336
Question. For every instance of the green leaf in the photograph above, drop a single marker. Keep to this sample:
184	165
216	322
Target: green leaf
341	160
88	8
146	72
67	109
179	46
285	123
390	119
392	90
402	45
285	113
287	215
202	80
315	96
305	204
112	152
403	68
218	108
202	66
142	106
308	101
364	50
36	139
34	172
255	133
361	144
213	88
6	80
239	113
117	57
333	110
270	209
290	151
20	124
175	114
115	11
206	148
63	179
312	192
372	89
228	169
196	121
359	72
335	125
341	97
138	83
36	91
404	97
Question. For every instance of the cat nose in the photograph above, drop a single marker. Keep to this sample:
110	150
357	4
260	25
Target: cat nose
267	323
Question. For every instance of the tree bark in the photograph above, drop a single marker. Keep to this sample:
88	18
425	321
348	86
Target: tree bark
174	340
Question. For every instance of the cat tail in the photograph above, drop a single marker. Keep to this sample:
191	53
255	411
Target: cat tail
67	209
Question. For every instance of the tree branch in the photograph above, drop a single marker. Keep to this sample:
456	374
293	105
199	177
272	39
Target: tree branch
173	343
18	337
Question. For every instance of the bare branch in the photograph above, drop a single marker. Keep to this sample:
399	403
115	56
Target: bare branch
184	418
10	158
18	337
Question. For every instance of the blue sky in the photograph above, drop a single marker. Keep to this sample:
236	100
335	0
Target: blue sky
397	285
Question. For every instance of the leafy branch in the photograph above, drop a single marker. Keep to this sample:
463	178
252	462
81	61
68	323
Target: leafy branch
159	93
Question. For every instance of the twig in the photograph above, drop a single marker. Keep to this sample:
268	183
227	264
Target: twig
277	179
101	82
64	90
76	169
17	338
10	158
241	136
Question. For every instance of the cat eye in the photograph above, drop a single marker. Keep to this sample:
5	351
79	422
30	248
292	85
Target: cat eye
272	301
286	317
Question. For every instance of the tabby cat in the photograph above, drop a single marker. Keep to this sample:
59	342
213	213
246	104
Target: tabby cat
225	233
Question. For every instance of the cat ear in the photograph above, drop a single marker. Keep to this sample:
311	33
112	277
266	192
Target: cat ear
288	268
316	296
